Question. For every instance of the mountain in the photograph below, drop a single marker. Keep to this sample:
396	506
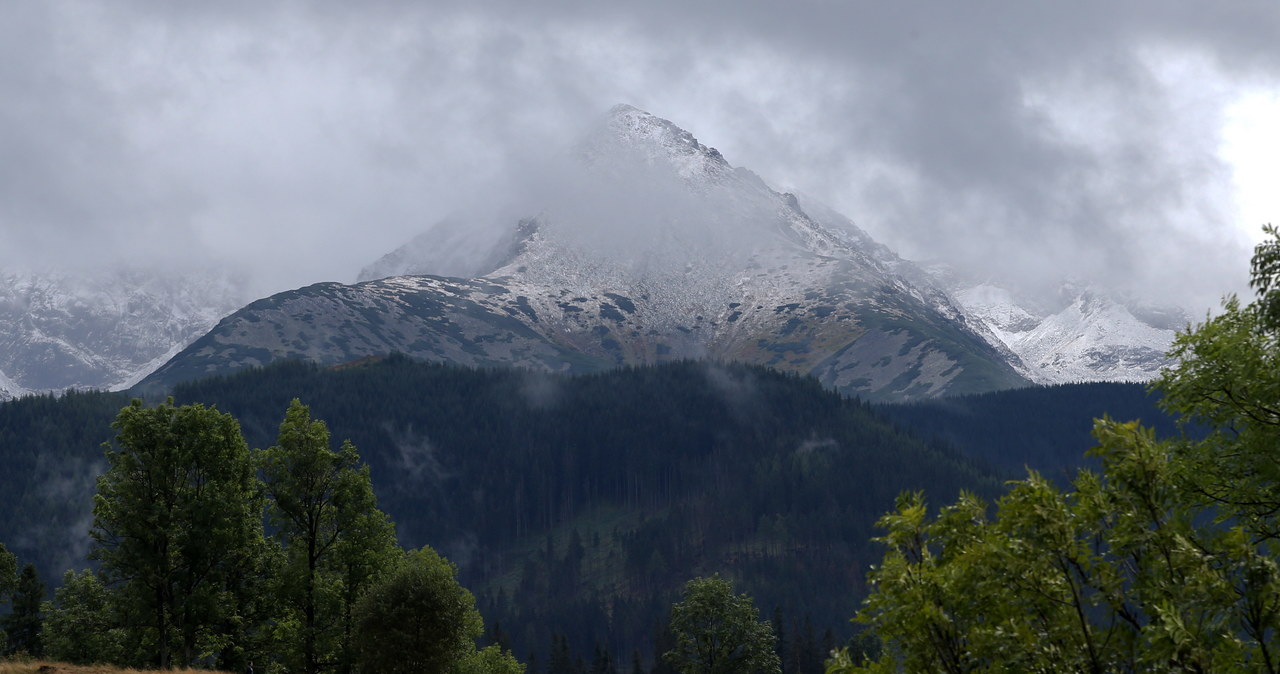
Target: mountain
650	248
103	330
1085	334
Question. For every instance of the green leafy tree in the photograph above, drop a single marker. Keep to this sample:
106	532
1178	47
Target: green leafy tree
22	625
177	517
720	633
489	660
1164	561
418	620
80	626
336	542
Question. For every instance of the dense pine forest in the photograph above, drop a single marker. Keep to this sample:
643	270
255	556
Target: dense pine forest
576	507
1041	427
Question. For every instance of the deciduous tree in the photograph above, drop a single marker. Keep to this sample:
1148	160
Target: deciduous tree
1165	561
718	632
419	620
336	542
81	625
177	514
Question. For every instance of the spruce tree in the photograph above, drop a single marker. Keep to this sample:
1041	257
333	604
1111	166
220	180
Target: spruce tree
22	625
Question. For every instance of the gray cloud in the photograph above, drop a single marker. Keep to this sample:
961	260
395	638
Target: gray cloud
304	140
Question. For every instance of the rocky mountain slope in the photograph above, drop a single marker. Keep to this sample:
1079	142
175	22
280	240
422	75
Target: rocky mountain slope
661	250
1082	333
102	330
8	388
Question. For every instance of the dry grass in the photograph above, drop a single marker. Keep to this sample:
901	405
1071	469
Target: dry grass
43	667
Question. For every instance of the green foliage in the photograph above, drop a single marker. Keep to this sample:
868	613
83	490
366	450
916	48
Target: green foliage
720	633
335	540
81	624
177	524
418	620
1165	561
22	625
1227	376
489	660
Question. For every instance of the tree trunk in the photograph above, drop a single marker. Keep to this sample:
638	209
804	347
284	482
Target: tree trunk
309	611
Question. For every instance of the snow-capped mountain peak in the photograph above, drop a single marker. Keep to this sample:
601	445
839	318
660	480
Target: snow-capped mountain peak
629	133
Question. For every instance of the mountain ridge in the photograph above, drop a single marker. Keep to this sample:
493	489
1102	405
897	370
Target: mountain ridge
676	255
103	329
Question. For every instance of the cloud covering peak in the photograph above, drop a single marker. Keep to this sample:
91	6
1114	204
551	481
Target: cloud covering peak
302	139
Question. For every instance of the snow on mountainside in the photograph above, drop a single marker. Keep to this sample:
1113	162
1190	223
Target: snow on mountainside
102	330
9	389
656	248
1082	335
1088	336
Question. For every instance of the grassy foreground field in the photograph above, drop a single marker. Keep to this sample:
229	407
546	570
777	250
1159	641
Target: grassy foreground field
43	667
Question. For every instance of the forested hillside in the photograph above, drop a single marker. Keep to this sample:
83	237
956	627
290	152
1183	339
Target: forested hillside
574	506
51	450
1046	428
577	506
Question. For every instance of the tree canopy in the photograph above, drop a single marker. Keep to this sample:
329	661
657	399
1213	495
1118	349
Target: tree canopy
1164	560
177	520
417	620
335	540
718	632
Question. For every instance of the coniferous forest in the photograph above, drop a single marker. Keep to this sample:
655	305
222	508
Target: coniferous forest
576	507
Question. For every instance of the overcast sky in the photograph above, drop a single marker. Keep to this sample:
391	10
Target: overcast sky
1125	142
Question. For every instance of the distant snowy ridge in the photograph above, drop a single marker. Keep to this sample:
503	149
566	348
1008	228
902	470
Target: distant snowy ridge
103	330
1095	337
9	389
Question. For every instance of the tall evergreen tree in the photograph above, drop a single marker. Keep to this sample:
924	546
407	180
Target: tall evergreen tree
8	580
22	625
177	514
336	542
602	661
